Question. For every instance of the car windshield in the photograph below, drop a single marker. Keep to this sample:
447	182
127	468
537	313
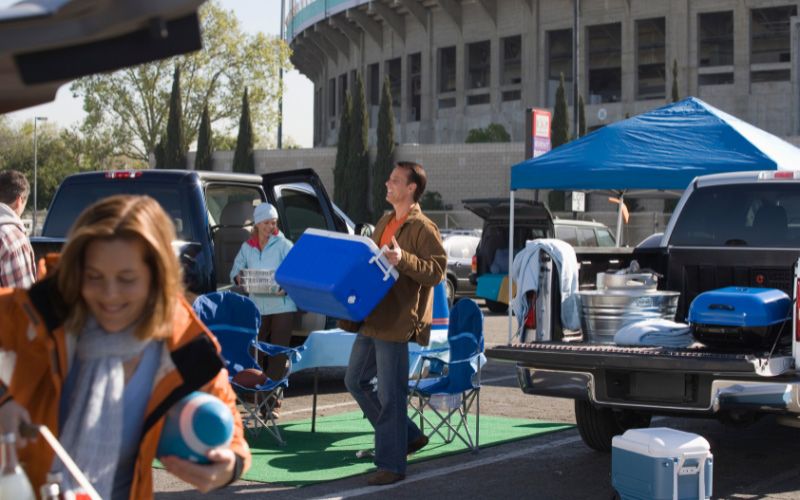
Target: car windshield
765	215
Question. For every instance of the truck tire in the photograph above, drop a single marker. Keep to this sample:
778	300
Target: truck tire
598	426
496	307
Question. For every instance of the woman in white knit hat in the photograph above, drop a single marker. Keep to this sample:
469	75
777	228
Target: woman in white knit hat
266	249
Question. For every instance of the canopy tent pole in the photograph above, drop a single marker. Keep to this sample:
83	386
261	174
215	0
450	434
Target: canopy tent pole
510	262
619	217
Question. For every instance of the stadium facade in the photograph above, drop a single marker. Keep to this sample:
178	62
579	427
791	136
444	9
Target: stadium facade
456	65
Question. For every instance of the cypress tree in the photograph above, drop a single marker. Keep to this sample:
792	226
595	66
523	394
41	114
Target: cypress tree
675	96
560	134
384	159
581	117
358	162
174	153
342	157
243	160
159	154
203	159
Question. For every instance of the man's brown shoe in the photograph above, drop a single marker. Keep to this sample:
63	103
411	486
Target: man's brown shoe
417	444
384	477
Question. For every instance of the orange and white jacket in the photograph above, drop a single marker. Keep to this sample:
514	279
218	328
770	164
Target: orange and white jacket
35	357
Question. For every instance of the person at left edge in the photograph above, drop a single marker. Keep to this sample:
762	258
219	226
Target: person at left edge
17	267
103	347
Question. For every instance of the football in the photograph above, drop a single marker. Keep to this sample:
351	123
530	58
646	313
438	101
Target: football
193	426
250	378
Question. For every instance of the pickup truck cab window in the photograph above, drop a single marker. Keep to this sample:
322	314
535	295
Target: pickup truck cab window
68	204
219	196
762	215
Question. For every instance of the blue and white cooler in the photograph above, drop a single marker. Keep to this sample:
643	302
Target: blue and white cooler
339	275
661	463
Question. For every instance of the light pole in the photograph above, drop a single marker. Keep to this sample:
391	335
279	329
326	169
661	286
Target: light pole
280	86
35	168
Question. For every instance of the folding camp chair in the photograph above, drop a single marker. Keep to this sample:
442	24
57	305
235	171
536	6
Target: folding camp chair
235	320
451	393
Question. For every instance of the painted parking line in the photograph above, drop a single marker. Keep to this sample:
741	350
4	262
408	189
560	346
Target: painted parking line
323	407
431	474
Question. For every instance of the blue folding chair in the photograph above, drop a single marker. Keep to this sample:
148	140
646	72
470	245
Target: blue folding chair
235	320
451	393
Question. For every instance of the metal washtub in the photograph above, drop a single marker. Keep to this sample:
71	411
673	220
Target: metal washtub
620	300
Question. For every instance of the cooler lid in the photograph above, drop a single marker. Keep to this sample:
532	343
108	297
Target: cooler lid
740	306
660	442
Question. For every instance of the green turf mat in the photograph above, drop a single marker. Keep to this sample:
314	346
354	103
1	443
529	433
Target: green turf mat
329	453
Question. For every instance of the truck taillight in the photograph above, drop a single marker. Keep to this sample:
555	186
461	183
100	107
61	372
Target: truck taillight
123	174
530	319
474	263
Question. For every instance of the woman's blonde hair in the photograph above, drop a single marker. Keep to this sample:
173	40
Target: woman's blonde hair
133	218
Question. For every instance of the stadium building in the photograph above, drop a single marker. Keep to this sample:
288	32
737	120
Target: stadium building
456	65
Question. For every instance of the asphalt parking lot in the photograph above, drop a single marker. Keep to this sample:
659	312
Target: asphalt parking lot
755	462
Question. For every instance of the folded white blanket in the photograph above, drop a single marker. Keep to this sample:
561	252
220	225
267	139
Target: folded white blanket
655	332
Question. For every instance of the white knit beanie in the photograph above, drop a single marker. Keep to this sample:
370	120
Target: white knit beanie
263	212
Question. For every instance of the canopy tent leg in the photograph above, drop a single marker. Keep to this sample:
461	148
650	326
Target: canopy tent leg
619	217
510	261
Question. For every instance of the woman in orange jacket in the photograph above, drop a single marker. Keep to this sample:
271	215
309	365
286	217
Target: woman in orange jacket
100	350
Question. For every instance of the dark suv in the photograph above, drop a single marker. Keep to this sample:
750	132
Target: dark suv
532	220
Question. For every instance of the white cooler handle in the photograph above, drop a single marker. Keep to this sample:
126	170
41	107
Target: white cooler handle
701	457
382	262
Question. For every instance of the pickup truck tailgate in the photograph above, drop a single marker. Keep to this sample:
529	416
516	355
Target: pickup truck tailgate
678	380
599	356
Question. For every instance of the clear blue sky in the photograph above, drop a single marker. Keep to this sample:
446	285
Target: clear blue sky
255	16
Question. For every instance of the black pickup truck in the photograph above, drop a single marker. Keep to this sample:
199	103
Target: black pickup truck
211	213
739	229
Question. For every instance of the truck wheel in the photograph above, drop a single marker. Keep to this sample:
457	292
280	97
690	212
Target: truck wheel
496	307
598	426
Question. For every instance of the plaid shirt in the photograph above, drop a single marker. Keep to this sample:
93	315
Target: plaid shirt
17	268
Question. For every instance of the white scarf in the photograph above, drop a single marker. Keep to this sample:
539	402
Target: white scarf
92	432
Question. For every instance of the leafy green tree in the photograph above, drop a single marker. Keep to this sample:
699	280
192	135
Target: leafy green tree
340	194
495	132
357	176
132	104
675	96
59	153
222	142
204	158
174	152
160	154
560	124
243	159
384	156
581	117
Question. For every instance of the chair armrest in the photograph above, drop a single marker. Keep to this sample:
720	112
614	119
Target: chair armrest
277	350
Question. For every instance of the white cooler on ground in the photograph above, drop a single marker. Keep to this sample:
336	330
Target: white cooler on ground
661	463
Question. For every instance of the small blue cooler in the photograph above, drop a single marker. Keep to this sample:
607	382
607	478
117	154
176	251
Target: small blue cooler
740	316
661	463
340	275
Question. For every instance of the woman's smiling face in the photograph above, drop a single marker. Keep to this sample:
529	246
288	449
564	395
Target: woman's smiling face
116	282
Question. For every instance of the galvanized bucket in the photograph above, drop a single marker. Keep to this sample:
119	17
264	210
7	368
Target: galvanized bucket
604	312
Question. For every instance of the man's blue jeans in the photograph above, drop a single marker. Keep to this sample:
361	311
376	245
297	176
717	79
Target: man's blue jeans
385	409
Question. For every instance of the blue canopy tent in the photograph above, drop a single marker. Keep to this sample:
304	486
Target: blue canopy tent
663	149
